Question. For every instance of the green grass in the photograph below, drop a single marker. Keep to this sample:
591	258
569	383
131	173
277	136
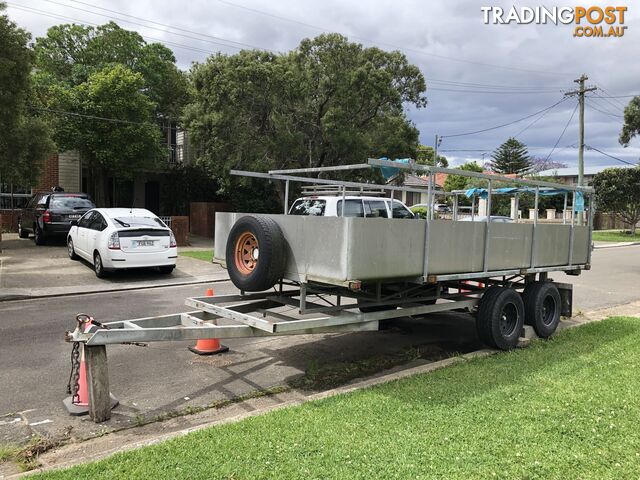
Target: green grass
206	255
615	236
564	408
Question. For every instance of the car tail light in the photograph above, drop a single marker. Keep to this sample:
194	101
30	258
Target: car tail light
114	241
46	217
172	241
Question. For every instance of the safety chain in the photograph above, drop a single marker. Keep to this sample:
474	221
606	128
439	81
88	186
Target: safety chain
73	386
74	377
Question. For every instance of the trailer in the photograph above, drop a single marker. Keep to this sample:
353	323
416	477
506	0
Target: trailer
305	274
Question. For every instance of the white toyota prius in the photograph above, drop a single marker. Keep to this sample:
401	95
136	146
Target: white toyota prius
116	238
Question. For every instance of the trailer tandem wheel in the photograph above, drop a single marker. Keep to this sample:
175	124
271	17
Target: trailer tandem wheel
500	317
542	307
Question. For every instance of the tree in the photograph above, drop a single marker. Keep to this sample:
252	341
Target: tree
112	73
424	156
511	157
540	164
24	138
128	144
631	126
327	102
618	192
459	182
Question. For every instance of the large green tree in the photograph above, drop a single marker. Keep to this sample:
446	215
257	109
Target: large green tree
425	156
111	96
460	182
511	157
129	143
328	102
618	192
631	126
24	138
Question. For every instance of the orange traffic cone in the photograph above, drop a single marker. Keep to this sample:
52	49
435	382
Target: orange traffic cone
208	346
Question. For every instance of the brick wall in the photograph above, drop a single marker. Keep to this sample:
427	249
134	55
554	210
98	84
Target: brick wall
180	228
9	220
50	176
202	217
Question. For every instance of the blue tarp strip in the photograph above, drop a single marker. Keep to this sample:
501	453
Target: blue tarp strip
388	172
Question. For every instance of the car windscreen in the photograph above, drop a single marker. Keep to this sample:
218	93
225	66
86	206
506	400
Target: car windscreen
70	203
138	222
399	211
308	206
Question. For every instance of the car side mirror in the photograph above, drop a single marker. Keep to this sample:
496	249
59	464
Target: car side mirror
74	223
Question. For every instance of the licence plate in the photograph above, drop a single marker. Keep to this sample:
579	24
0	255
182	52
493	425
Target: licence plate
142	243
74	216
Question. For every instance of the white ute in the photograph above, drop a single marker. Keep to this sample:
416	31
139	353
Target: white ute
354	206
117	238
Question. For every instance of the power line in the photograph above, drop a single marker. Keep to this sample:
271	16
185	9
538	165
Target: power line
96	117
621	96
84	22
504	124
618	102
218	39
531	124
172	27
563	131
219	42
595	102
609	102
494	91
610	156
605	112
391	45
485	85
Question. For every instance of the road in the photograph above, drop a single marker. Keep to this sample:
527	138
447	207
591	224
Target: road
163	377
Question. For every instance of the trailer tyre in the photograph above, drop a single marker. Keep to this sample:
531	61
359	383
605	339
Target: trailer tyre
483	327
255	253
542	307
500	318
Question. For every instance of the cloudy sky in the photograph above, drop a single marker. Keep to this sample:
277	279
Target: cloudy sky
478	76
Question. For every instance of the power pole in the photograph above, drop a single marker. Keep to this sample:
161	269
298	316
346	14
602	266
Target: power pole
580	92
435	150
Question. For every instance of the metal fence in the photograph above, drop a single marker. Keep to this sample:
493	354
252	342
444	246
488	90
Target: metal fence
18	201
166	220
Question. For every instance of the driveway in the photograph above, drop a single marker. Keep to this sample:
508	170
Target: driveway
27	270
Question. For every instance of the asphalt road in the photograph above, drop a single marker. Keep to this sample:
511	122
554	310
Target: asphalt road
149	381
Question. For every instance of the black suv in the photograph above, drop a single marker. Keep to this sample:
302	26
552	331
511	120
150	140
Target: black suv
50	214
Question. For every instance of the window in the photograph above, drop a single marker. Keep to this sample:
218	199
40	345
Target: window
70	203
97	222
139	222
86	219
42	201
308	206
399	211
376	208
352	208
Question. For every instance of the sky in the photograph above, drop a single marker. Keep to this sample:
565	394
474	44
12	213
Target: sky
478	75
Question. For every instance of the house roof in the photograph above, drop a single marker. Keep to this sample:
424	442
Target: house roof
411	180
573	171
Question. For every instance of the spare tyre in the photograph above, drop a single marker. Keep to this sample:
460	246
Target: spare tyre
255	253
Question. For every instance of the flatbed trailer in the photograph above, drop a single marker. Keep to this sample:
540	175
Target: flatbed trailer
306	275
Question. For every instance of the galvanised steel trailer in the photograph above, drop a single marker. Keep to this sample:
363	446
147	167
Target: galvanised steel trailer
320	274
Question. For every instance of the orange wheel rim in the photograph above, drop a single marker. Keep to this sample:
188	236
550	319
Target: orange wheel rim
246	253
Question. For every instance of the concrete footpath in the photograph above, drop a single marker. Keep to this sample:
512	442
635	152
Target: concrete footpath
614	244
128	439
30	271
